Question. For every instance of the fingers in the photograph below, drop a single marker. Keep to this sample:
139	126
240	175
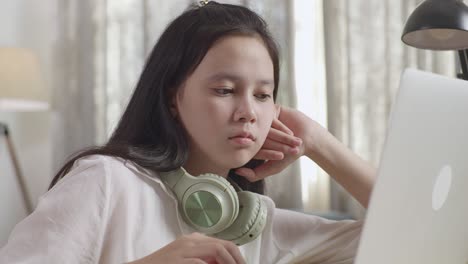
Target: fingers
195	261
268	154
209	251
280	126
220	248
247	173
196	248
280	136
279	146
266	169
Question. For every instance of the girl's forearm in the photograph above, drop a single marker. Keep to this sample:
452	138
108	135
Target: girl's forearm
348	169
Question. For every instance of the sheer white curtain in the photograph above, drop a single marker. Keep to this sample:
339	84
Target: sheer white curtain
365	57
310	84
73	80
126	32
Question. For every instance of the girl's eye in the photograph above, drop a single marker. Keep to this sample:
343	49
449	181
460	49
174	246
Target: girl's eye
224	91
263	97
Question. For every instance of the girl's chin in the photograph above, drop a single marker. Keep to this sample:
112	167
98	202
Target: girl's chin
235	159
237	163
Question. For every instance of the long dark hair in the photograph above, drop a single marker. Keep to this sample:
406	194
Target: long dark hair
147	134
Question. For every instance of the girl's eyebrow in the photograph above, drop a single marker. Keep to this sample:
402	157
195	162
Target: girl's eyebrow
220	76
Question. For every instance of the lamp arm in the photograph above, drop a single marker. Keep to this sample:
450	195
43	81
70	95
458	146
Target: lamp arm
463	54
19	175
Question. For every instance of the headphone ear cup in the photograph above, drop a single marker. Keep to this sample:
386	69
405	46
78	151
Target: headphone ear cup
209	203
249	223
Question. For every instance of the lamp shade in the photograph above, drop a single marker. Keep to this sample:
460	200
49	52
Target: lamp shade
22	87
438	25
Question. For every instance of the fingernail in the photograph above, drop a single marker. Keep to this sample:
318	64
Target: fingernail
280	156
298	141
294	150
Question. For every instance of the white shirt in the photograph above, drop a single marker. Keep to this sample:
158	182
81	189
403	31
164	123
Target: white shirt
107	210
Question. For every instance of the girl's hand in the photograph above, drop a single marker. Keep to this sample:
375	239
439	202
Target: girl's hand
280	141
195	248
348	169
287	140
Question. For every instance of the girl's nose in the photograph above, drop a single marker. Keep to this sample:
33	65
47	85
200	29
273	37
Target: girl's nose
245	112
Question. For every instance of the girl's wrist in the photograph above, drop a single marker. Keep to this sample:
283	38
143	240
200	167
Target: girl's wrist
314	139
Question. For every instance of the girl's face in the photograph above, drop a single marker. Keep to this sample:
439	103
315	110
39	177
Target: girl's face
226	105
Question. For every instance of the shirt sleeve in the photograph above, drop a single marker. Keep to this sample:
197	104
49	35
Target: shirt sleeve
312	239
66	226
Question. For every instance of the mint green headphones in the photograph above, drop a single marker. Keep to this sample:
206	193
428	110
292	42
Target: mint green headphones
210	204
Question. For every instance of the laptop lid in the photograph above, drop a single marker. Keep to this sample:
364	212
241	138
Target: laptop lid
418	211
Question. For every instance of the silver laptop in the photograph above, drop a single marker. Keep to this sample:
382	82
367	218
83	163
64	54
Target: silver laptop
418	212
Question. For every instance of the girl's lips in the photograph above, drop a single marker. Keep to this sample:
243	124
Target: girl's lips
243	134
241	141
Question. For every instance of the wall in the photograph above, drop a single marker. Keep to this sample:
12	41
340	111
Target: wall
28	24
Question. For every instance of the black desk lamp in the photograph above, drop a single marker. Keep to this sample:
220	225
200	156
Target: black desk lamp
440	25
